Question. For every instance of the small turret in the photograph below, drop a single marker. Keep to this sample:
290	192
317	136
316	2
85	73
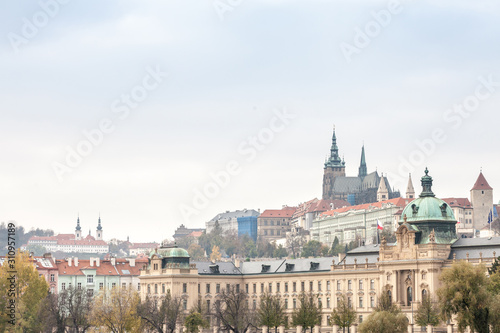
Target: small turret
99	229
410	191
382	192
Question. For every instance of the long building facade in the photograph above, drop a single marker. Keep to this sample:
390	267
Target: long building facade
407	270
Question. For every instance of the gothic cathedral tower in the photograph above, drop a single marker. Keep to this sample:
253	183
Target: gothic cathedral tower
334	167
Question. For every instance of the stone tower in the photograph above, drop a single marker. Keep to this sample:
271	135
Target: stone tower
481	196
334	167
78	229
382	192
410	192
99	229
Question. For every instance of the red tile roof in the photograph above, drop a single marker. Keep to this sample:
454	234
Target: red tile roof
105	267
284	212
196	234
399	202
458	202
481	183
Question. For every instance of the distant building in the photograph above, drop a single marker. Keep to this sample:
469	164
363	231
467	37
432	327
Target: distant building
73	242
464	214
46	267
273	224
358	222
307	212
182	231
138	248
356	190
228	221
247	225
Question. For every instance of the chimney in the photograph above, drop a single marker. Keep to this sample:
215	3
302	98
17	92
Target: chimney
113	261
97	262
91	262
76	261
131	262
341	257
69	262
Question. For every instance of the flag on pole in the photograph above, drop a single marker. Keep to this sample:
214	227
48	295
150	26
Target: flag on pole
490	217
379	225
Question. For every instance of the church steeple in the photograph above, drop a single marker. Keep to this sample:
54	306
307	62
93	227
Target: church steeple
362	165
410	191
382	192
334	160
78	229
99	229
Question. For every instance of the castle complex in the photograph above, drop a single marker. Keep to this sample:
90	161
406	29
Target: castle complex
356	190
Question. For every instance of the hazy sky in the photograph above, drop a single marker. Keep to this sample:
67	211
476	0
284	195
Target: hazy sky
130	109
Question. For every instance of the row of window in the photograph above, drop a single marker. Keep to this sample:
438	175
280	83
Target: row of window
320	302
286	286
101	285
164	290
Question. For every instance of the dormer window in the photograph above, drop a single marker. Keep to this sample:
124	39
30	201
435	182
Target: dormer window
414	209
265	268
214	269
443	209
314	266
289	267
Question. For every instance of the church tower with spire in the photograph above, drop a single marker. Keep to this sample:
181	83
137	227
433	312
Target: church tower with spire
99	229
410	192
382	192
78	229
334	167
362	165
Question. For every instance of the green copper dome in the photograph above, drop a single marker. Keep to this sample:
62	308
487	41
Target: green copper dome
170	252
428	213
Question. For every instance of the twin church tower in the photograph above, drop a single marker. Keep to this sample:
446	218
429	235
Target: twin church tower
78	230
365	188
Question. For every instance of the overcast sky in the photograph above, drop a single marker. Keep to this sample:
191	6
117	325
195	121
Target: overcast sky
131	108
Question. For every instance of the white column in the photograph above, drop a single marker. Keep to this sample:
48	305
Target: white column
316	329
335	329
265	329
429	328
410	328
449	328
299	329
281	329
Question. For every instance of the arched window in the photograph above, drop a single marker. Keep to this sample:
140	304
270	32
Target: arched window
424	294
390	295
409	296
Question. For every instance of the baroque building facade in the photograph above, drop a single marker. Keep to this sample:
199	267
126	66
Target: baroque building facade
407	270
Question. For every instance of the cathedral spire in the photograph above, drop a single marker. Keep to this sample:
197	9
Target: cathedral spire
334	160
99	227
362	165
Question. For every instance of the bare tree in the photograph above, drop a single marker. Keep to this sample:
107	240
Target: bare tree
232	310
160	312
295	240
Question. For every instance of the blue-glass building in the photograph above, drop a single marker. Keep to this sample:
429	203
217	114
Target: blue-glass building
248	225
